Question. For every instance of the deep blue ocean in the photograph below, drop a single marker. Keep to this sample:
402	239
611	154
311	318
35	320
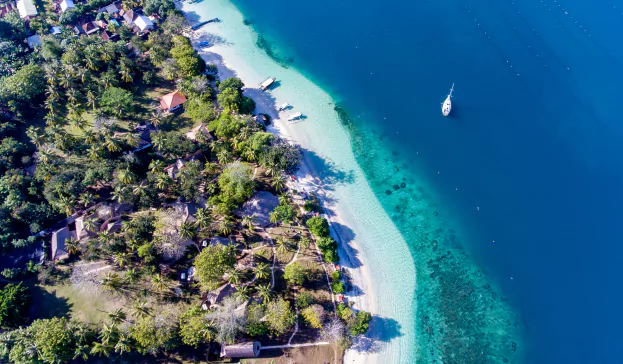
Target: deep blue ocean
530	163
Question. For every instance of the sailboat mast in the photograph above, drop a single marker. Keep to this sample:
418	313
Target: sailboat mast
452	89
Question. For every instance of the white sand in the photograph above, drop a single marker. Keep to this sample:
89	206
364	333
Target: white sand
383	274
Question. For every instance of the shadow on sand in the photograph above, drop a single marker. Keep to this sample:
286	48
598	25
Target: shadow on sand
382	331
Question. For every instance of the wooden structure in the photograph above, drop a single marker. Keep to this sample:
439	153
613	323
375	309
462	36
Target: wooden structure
249	349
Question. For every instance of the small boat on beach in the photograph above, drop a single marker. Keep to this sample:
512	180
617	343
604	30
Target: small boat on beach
284	107
447	105
295	116
204	44
266	83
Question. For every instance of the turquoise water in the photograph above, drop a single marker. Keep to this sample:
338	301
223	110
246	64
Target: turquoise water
510	208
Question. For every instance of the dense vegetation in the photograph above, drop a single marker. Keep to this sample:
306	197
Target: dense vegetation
81	134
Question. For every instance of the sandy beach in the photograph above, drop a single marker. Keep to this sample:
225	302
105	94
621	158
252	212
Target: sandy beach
329	169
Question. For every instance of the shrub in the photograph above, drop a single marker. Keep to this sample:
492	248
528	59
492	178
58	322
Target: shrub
338	287
304	300
295	274
319	226
314	315
335	275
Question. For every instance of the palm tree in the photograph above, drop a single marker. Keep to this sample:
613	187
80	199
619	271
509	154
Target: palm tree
226	226
242	293
304	242
90	224
118	193
274	217
284	199
33	134
131	275
140	309
65	204
125	176
112	282
162	181
112	144
224	156
122	259
234	276
132	139
156	117
82	351
282	245
117	316
204	219
91	99
158	140
140	189
188	230
264	293
100	349
156	166
261	270
72	246
248	222
279	182
94	153
158	282
87	198
124	344
250	154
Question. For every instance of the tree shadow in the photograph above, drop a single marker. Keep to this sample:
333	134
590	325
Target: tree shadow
47	305
382	331
327	173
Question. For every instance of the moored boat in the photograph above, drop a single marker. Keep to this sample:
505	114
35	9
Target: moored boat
284	107
446	107
266	83
295	116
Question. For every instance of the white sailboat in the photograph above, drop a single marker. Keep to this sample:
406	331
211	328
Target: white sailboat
447	105
295	116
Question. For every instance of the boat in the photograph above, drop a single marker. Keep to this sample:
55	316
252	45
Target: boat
284	107
447	105
267	82
204	44
295	116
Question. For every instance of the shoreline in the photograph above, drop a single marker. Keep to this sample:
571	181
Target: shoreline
383	279
306	177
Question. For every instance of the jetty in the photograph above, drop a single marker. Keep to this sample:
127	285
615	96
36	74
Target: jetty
199	25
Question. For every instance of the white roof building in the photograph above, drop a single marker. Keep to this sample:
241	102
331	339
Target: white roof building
67	4
143	23
56	30
26	8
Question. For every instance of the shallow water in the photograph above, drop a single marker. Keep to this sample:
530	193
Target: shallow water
524	176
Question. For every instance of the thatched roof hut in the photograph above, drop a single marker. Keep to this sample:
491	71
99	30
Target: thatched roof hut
215	297
249	349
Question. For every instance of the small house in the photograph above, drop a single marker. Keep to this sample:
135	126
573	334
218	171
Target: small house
249	349
26	9
108	36
57	244
219	240
89	28
174	168
111	9
129	17
33	41
172	101
143	23
198	132
67	4
56	30
217	296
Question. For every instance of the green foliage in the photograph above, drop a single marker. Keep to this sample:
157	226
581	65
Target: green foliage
255	325
12	26
200	111
295	274
212	263
279	316
236	182
319	226
11	153
147	252
283	213
338	287
335	275
360	323
187	59
231	98
23	85
328	248
152	337
14	302
117	101
304	300
53	339
175	144
189	178
314	316
11	58
160	7
194	327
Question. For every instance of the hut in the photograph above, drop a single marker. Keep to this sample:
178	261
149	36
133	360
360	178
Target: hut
215	297
259	206
27	9
249	349
198	131
66	5
172	101
58	243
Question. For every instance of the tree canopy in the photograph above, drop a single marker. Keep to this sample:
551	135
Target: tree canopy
212	263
